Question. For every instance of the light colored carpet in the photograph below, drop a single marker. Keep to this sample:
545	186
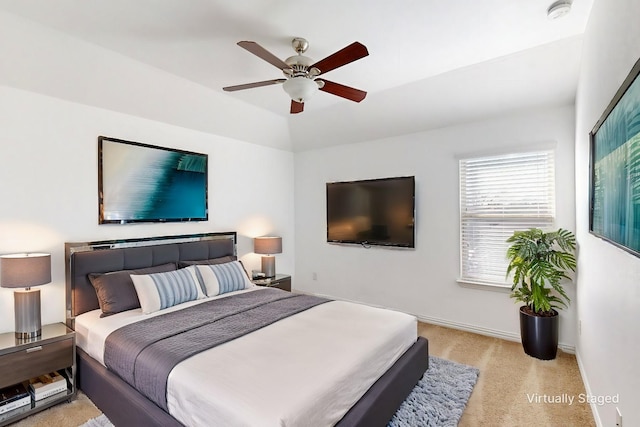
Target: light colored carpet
499	399
508	377
65	414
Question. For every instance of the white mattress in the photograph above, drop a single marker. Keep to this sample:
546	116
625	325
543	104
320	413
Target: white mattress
308	369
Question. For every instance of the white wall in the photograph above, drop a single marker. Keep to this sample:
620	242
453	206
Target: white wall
423	281
48	171
609	279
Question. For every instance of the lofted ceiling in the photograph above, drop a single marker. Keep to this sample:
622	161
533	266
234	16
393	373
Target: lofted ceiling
431	63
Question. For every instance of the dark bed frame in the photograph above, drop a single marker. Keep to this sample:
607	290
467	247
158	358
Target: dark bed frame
126	406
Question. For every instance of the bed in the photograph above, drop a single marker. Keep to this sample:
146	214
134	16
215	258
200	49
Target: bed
314	367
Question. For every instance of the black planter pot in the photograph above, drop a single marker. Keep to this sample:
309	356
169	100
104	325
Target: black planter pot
539	335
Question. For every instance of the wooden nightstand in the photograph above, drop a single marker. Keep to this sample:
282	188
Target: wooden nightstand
54	350
281	281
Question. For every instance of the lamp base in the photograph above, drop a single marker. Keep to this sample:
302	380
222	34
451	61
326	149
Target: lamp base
269	266
27	314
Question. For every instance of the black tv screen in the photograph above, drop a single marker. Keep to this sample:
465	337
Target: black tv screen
372	212
145	183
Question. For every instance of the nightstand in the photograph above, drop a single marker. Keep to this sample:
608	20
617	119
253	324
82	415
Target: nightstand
20	360
281	281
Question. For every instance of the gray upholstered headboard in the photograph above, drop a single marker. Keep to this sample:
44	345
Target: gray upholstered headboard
113	255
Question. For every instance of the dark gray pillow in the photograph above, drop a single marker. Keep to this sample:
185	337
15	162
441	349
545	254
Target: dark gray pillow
221	260
115	290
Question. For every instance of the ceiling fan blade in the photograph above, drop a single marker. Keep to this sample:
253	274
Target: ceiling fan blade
351	53
343	91
296	107
252	85
263	53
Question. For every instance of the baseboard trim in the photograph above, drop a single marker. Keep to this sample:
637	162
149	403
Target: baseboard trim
494	333
587	389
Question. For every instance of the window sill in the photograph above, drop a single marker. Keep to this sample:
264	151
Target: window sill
485	286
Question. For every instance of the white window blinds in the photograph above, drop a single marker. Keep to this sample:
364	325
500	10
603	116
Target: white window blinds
499	195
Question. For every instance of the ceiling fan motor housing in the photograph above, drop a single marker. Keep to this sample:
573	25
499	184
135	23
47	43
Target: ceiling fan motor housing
299	65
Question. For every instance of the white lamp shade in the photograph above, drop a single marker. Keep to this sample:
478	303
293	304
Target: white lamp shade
300	88
25	270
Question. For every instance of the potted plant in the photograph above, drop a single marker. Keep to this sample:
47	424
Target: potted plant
539	262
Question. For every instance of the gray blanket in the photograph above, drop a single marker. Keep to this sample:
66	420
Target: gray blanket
144	353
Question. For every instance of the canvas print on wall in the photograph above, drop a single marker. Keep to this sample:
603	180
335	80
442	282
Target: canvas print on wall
144	183
615	169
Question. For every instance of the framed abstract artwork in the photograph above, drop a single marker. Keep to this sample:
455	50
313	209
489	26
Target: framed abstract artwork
146	183
615	169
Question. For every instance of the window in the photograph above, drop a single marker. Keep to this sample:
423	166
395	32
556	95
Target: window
499	195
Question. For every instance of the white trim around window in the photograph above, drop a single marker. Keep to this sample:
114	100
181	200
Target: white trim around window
498	195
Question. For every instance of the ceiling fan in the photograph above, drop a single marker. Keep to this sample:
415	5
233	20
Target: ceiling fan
301	72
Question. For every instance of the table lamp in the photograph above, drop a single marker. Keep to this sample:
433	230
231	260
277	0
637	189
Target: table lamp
268	246
25	271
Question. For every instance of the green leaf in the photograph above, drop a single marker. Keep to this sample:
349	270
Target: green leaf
539	261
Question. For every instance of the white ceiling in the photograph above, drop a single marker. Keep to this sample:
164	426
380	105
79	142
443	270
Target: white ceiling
432	63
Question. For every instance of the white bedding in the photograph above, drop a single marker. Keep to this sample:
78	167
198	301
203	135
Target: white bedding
305	370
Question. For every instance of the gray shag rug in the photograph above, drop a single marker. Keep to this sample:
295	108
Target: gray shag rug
101	421
438	399
440	396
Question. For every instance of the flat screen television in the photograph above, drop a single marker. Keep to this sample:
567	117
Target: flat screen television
372	212
145	183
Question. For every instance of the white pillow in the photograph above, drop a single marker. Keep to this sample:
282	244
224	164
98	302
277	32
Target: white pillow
222	278
161	290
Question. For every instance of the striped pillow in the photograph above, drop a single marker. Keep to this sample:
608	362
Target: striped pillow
222	278
161	290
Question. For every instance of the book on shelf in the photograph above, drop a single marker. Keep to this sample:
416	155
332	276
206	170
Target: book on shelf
47	385
13	397
15	404
50	398
12	392
16	411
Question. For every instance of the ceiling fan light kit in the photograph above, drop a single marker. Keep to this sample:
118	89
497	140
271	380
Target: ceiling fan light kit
300	89
301	72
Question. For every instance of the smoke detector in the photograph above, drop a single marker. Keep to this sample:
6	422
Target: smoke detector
559	9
